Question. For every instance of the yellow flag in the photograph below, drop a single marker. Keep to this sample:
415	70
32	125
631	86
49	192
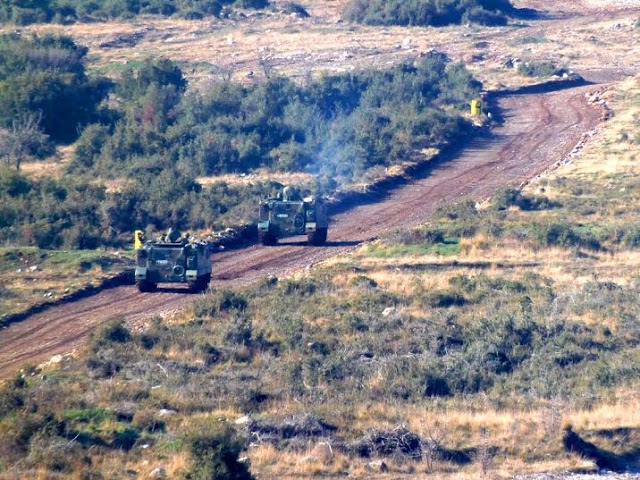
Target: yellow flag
138	239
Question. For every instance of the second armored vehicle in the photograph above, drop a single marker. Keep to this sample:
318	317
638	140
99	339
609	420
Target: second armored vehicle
288	214
173	259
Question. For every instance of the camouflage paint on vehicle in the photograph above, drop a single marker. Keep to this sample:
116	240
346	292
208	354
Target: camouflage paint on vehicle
289	215
173	262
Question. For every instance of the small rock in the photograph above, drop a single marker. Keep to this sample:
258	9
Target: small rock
245	419
308	459
388	311
159	473
33	268
378	466
323	452
164	412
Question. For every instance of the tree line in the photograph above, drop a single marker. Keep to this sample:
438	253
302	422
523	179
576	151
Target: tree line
154	136
25	12
428	12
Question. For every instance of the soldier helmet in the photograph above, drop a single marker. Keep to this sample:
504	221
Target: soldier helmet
173	234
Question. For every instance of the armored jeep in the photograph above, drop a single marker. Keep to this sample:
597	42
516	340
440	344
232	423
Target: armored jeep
173	259
288	214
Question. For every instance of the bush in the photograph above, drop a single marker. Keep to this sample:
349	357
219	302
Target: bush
44	76
293	8
504	199
565	235
114	332
427	12
214	453
125	439
12	396
163	138
323	128
482	16
542	69
220	302
69	11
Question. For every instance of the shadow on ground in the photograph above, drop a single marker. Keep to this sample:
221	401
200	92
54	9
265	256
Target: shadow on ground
604	459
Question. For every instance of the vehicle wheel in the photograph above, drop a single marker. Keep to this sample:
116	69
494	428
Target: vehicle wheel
200	285
204	282
145	287
267	238
319	237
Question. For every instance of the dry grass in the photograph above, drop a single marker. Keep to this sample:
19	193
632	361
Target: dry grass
39	276
323	43
257	177
529	440
614	149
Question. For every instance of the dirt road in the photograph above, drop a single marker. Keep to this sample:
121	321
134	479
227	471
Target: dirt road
539	130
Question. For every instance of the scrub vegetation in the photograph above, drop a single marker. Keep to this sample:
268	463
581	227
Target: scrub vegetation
70	11
515	351
147	130
428	12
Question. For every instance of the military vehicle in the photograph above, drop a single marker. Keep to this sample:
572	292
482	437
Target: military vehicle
172	259
288	214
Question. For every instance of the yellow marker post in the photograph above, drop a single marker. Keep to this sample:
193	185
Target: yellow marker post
138	239
476	108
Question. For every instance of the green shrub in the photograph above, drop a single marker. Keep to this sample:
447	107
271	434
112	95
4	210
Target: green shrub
542	69
12	396
164	137
323	128
504	199
427	12
125	439
44	76
220	302
564	235
214	453
444	299
69	11
295	8
114	331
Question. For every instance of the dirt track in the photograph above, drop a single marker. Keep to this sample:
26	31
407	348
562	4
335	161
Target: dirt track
539	130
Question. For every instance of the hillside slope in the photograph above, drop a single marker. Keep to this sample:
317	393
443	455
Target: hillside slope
540	131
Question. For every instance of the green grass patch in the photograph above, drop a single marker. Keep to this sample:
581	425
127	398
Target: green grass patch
449	246
62	261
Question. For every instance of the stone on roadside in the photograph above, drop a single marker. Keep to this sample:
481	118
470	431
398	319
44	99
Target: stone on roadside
378	466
